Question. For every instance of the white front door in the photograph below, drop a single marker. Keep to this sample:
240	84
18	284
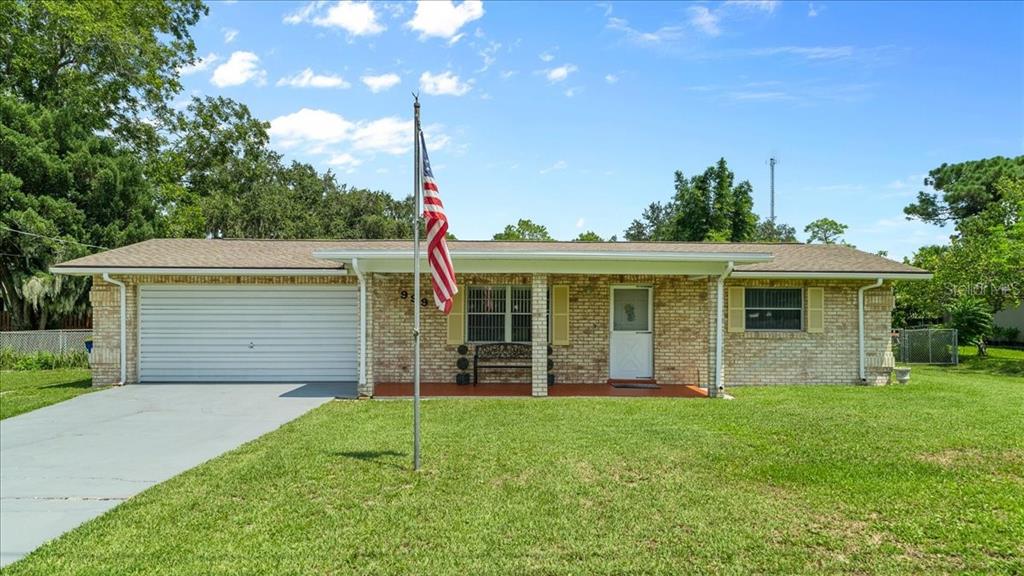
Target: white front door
632	338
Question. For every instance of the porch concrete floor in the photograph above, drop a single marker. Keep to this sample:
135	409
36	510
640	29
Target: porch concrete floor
434	389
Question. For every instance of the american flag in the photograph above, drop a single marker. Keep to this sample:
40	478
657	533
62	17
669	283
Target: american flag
441	270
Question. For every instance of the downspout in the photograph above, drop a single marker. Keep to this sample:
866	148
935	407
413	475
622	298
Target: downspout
860	325
362	323
719	387
124	320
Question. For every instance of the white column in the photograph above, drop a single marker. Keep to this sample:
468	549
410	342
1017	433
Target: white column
540	335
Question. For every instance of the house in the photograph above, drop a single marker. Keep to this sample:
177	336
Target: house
694	314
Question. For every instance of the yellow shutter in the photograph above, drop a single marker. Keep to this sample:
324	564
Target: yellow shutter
737	309
457	320
815	309
560	315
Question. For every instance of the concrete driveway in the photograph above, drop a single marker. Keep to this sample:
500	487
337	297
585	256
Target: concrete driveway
70	462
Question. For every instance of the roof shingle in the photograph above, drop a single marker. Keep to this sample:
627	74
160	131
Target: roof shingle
298	254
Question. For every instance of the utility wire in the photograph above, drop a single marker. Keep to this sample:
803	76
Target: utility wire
61	240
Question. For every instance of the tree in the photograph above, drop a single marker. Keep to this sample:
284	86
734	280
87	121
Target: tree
653	221
588	236
110	65
967	189
985	254
524	230
973	322
742	219
705	207
825	231
769	231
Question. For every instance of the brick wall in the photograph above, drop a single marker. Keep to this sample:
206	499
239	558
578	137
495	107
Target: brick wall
105	302
680	336
830	357
684	314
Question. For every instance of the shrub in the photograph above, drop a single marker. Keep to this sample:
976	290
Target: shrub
973	322
13	360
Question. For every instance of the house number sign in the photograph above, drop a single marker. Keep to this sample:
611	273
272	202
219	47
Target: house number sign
405	296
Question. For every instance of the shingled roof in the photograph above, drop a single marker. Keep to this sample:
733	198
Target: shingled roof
299	254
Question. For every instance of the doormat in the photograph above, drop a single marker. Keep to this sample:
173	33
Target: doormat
644	386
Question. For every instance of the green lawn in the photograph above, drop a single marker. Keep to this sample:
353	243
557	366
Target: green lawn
23	391
925	478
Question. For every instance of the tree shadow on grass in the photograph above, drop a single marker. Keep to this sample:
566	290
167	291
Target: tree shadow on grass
993	365
83	383
379	457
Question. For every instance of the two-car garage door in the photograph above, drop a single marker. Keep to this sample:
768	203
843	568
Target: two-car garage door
247	333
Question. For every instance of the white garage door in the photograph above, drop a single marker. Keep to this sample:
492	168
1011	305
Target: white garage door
247	333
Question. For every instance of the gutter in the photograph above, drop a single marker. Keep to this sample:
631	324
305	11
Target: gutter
362	323
123	355
170	271
860	325
833	275
719	386
748	257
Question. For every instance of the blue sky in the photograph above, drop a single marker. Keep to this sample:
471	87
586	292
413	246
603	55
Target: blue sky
577	114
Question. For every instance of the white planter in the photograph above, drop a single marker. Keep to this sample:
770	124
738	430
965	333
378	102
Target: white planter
902	375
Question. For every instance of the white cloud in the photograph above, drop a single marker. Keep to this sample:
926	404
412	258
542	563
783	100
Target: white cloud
309	126
659	37
705	20
611	78
229	35
240	68
808	52
560	165
308	79
762	5
444	18
346	142
390	135
489	56
560	73
381	82
546	56
199	65
445	83
345	161
356	18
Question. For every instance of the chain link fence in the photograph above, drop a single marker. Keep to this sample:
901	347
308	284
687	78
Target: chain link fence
56	341
926	346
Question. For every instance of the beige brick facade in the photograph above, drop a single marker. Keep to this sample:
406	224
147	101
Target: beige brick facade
830	357
684	316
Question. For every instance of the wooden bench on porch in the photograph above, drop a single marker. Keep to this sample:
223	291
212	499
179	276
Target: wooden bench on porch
501	355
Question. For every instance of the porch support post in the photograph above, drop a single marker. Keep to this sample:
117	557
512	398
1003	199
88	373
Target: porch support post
717	387
539	376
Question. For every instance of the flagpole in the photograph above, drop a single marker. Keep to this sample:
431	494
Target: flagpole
417	185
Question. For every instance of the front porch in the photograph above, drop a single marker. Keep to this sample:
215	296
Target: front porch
495	389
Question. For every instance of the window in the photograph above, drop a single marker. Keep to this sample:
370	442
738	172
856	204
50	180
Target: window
499	314
774	308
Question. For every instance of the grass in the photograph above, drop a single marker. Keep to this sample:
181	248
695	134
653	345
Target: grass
925	478
23	391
